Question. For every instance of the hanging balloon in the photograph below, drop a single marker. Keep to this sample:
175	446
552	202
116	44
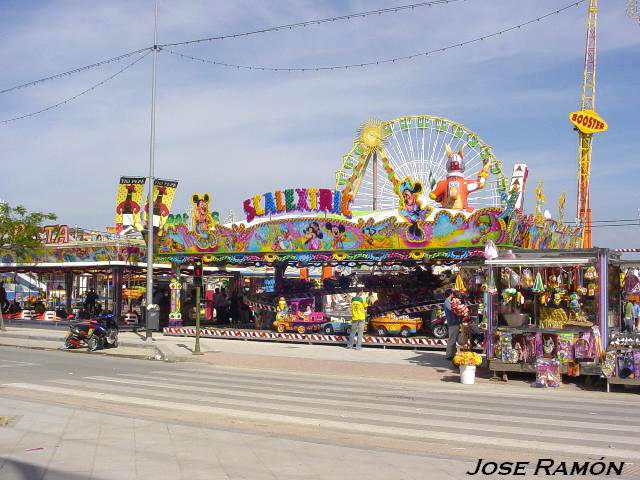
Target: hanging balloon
490	250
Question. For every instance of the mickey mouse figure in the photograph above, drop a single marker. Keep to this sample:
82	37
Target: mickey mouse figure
338	233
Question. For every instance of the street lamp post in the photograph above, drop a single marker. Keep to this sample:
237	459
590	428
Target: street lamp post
152	142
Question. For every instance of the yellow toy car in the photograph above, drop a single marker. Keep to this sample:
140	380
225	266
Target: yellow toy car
390	324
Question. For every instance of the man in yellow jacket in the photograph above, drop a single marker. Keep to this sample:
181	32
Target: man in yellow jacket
358	319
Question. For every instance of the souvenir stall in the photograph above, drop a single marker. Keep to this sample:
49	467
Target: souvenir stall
549	313
388	222
621	365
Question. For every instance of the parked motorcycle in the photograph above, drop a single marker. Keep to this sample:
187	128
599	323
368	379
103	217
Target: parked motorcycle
101	332
439	327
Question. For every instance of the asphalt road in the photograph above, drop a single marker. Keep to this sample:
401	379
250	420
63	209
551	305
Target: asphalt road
291	425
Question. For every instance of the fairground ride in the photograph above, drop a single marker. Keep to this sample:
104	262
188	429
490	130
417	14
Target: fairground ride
587	122
415	147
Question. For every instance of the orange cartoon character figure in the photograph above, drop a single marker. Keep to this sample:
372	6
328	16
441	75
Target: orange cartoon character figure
453	191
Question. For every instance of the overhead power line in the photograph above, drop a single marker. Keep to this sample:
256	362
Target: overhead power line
70	99
75	70
373	62
318	21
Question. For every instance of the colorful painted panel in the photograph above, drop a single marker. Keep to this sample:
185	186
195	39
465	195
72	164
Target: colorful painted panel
336	234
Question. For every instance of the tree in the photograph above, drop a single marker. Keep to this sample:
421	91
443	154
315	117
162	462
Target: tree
20	234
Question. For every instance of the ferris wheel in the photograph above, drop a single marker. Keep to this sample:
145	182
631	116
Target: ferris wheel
416	147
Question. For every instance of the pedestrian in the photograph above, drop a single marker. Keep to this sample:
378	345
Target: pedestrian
627	311
90	301
636	314
222	305
4	301
453	324
358	319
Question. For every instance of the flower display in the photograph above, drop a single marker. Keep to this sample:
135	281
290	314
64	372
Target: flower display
467	358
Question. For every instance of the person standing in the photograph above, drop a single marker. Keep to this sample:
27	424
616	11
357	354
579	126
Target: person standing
358	318
4	301
636	314
453	324
628	315
90	302
222	306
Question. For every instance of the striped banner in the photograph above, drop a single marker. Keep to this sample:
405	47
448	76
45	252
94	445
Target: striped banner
412	342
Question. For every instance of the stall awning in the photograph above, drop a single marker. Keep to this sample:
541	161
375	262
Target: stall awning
542	262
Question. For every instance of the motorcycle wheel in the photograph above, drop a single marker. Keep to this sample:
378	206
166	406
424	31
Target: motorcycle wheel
69	343
93	343
440	331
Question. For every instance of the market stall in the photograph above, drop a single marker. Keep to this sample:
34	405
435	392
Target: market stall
549	312
621	365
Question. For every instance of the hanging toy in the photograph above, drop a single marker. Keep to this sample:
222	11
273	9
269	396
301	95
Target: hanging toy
591	273
491	284
507	294
544	299
553	281
527	278
460	284
538	286
557	298
514	279
591	289
519	298
574	302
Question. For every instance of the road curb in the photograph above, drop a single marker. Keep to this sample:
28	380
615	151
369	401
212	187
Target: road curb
147	353
61	338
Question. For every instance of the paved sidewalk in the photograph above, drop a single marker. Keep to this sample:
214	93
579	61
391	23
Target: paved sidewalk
392	364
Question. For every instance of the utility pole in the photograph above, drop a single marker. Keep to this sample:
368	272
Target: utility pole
152	142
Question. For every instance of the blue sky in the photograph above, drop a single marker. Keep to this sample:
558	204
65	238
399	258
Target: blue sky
236	133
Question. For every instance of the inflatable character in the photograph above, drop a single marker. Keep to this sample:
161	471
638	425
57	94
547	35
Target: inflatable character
453	191
282	310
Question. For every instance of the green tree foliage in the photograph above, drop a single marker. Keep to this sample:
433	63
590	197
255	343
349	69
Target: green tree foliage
20	231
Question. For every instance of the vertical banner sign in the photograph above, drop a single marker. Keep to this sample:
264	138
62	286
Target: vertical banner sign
129	203
163	192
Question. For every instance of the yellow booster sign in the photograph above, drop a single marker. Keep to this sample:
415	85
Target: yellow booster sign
588	121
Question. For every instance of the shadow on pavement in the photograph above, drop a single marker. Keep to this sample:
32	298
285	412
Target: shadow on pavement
14	469
433	360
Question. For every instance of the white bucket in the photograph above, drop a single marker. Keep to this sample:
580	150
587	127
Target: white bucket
467	374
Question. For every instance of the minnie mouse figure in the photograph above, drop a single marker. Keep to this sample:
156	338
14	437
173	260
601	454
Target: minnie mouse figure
312	235
412	209
337	232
